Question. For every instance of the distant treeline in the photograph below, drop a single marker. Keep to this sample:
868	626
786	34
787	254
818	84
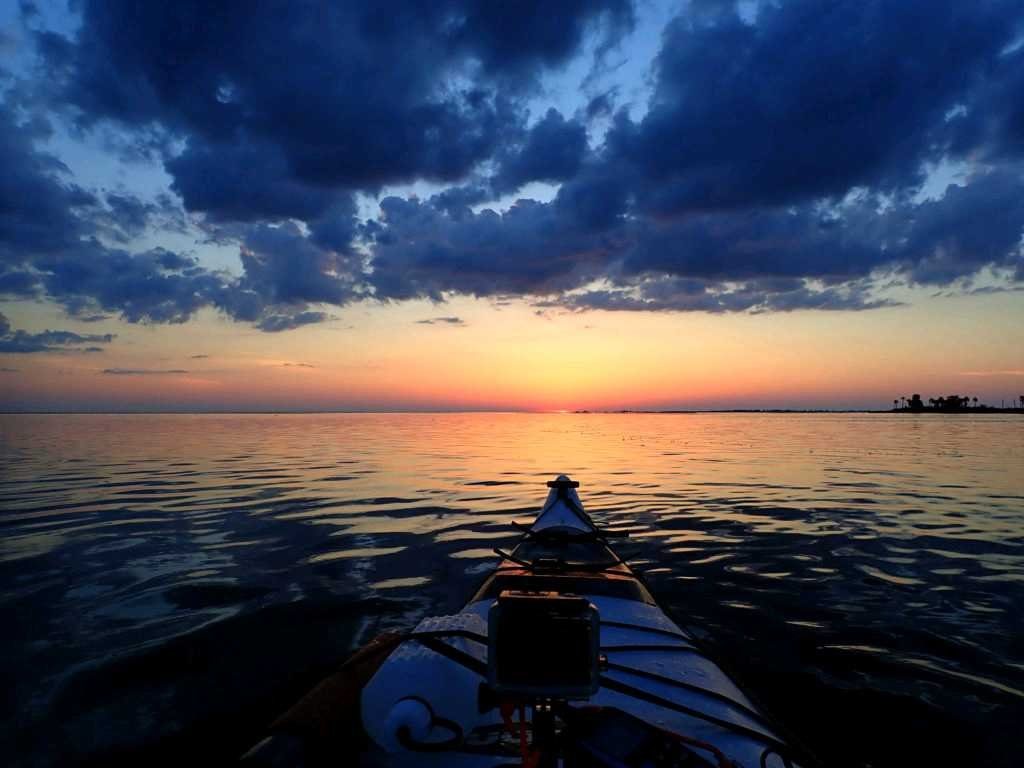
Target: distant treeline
951	403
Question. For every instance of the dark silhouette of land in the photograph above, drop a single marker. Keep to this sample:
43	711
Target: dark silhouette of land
953	404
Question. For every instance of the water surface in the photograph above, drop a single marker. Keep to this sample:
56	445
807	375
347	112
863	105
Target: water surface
168	584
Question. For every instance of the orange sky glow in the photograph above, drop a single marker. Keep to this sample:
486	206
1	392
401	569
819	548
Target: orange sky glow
512	357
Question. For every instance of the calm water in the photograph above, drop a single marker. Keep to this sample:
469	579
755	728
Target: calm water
168	584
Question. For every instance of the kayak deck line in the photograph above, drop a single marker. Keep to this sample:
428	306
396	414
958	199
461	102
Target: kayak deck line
445	694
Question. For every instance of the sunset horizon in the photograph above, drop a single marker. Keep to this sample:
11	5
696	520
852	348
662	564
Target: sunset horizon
475	208
599	361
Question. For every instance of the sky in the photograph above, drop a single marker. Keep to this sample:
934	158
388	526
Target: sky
460	204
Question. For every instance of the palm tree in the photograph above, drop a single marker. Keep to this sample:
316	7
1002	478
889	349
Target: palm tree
895	404
975	401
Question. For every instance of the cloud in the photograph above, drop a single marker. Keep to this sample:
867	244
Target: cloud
278	323
674	295
22	342
807	102
52	244
442	321
776	167
992	373
153	286
991	120
142	371
969	228
244	181
761	259
297	365
126	217
40	208
553	150
358	98
283	266
198	357
8	370
264	139
602	105
423	252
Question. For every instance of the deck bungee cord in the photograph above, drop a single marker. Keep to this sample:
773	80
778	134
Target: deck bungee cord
472	663
429	639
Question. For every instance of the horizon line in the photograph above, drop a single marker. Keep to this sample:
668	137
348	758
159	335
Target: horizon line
566	411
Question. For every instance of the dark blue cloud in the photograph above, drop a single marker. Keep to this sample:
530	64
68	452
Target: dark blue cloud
456	201
529	249
130	214
244	181
971	227
285	322
49	241
16	282
124	217
675	295
777	167
38	203
52	243
337	228
793	242
761	259
283	104
22	342
755	133
519	38
808	102
138	286
602	105
283	266
553	150
450	320
597	199
989	122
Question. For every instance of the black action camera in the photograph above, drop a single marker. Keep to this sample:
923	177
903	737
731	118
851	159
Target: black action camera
543	645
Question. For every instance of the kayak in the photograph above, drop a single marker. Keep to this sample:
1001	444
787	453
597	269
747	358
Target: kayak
561	658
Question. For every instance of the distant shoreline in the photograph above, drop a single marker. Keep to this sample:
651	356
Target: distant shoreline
733	410
941	411
679	412
969	411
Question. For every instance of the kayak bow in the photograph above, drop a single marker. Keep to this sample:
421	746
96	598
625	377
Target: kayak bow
562	657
